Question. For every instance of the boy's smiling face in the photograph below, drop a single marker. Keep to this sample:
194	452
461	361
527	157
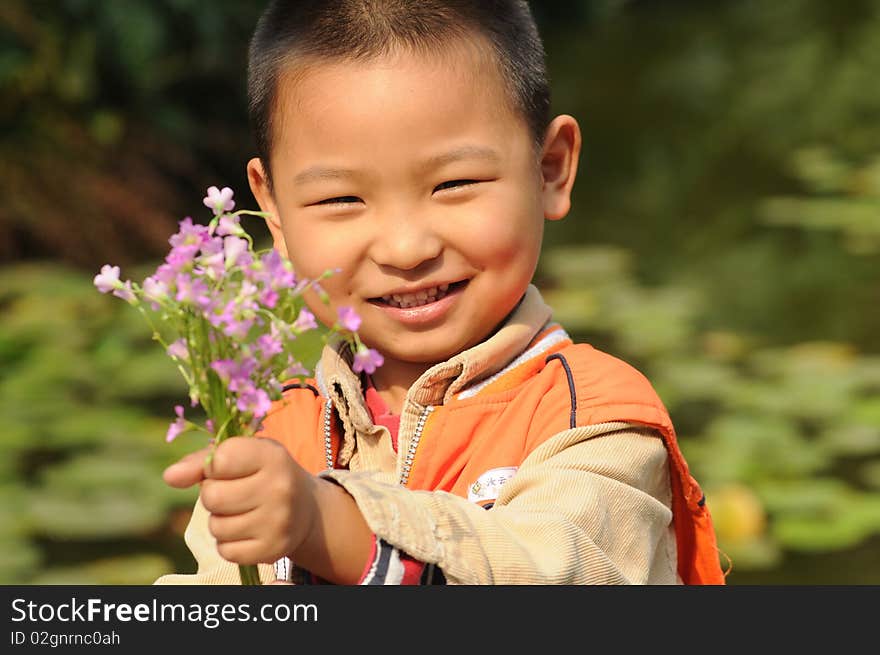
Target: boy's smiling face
416	178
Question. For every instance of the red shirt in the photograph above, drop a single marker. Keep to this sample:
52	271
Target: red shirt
409	570
380	413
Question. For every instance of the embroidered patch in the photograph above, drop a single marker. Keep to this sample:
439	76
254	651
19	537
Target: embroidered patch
488	485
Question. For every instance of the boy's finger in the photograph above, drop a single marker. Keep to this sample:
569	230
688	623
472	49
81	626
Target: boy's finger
229	497
187	471
239	457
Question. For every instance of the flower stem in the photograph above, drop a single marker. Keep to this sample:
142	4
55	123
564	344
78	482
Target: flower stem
249	574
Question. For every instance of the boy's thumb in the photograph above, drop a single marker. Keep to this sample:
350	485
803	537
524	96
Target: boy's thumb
187	471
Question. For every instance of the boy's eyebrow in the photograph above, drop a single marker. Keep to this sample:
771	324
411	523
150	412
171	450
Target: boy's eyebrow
315	173
318	172
462	152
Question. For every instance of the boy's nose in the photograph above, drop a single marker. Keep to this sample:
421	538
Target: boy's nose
405	244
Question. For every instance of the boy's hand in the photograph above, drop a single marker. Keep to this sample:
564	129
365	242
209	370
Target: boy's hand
261	501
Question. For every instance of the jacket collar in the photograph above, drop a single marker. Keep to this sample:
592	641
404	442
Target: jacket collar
440	383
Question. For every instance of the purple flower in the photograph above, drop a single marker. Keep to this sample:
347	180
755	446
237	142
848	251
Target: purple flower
180	257
294	369
155	289
254	401
276	271
246	295
192	290
269	298
108	279
236	375
190	236
349	319
218	200
238	329
236	252
126	293
165	274
231	311
178	349
366	360
281	331
305	321
212	258
219	313
269	346
229	226
178	426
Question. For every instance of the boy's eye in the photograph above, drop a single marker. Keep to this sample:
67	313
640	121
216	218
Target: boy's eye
454	183
341	200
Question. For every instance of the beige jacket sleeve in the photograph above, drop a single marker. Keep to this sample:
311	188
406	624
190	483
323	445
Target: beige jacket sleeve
589	506
211	568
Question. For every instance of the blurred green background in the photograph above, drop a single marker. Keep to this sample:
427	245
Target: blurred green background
725	238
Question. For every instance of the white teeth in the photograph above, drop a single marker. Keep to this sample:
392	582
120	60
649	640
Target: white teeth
422	297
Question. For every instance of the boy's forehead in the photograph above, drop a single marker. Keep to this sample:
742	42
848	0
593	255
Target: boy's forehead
469	60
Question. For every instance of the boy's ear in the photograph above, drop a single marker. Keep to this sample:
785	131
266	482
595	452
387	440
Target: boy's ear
559	162
260	187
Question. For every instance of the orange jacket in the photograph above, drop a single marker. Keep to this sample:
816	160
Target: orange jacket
508	417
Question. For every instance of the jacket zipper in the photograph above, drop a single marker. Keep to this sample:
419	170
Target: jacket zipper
413	444
284	567
328	440
410	453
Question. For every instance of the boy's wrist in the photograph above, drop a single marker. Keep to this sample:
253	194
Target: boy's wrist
337	543
305	519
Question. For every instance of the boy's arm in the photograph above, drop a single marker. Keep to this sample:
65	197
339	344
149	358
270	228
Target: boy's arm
386	564
591	505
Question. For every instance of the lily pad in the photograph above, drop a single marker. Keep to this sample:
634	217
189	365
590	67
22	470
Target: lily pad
96	497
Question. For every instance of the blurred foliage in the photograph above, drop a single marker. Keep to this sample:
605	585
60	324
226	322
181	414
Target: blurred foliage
695	115
843	197
140	95
784	440
724	239
81	390
86	396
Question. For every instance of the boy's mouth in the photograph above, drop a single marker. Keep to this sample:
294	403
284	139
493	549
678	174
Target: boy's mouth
418	298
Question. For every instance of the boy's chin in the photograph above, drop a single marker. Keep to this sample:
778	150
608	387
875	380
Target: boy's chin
425	358
422	354
426	352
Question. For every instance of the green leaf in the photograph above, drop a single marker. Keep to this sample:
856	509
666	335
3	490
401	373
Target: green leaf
142	569
820	515
99	497
870	474
18	556
851	439
749	448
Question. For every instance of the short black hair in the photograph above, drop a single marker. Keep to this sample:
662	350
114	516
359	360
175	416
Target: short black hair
365	29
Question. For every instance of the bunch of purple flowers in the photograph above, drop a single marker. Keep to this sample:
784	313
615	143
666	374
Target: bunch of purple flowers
229	317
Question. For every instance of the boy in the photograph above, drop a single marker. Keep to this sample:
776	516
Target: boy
408	145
